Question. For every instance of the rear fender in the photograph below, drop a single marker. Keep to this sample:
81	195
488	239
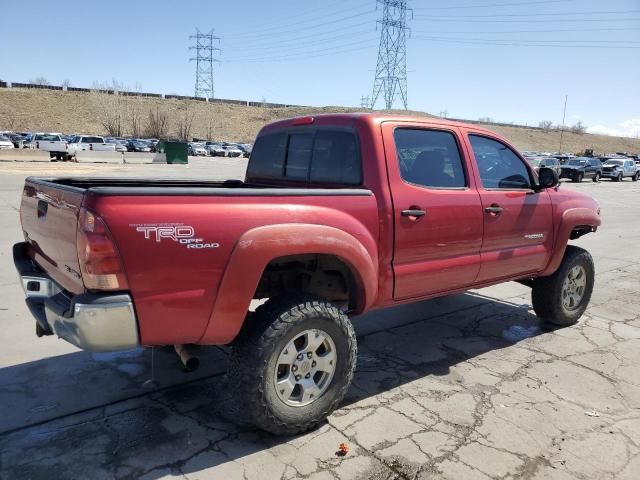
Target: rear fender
571	218
257	247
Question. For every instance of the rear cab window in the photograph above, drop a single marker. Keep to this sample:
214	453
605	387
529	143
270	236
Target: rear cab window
319	155
429	158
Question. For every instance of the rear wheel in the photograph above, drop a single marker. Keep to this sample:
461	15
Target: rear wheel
596	177
563	297
635	177
293	363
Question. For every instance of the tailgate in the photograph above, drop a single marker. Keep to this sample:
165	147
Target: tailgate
49	217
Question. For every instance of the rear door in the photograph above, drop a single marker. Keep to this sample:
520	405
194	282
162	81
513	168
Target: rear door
437	211
518	222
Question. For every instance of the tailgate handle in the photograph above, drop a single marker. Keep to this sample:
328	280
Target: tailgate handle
42	208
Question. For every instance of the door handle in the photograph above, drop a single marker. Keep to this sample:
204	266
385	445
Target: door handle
494	209
413	213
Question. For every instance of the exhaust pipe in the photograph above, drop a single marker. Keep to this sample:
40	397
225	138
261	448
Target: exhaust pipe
187	356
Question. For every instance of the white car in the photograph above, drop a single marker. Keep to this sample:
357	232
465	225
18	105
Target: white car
82	143
52	143
215	149
5	143
197	149
232	150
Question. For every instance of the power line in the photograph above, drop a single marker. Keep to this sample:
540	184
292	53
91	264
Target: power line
487	5
513	43
391	68
303	55
304	28
555	30
552	14
204	62
549	20
294	20
323	38
528	41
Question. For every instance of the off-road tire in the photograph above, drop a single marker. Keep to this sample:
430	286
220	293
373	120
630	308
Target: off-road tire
546	294
257	348
596	177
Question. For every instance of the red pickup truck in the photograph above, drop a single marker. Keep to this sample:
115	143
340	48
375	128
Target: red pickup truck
338	215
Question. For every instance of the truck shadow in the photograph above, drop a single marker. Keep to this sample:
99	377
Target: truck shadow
196	425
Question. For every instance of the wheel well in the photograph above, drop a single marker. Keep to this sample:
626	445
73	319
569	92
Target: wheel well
581	230
327	276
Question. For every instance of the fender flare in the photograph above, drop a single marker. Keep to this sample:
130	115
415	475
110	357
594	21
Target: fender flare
571	219
259	246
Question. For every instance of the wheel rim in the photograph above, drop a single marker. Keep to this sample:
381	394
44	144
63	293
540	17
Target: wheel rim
305	367
573	288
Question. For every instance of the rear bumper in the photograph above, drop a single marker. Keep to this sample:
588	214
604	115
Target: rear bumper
96	322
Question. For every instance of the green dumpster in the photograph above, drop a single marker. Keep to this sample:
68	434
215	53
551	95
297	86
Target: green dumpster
175	152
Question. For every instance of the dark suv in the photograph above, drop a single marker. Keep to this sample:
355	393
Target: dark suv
582	167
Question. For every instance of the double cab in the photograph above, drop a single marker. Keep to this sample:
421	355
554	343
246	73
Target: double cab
338	215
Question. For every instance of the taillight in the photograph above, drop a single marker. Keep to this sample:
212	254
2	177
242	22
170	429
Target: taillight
98	256
37	144
66	146
91	146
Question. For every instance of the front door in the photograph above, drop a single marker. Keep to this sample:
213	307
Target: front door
437	214
518	221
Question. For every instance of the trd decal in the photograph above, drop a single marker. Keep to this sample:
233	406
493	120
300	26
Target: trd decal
534	236
179	233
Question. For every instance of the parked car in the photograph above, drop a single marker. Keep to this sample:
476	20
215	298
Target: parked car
84	143
139	146
215	149
246	149
6	143
578	168
383	210
196	149
549	162
119	145
232	150
53	143
619	168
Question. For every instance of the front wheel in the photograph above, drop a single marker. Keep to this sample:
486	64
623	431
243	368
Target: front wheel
619	178
293	363
596	177
563	297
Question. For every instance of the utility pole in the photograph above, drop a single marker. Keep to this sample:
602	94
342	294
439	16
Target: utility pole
564	113
391	69
365	101
204	62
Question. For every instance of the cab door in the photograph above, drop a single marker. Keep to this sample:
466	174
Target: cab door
437	212
518	221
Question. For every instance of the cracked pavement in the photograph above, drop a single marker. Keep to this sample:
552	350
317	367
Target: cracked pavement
469	386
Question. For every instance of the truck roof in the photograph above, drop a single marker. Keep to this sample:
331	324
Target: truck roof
372	118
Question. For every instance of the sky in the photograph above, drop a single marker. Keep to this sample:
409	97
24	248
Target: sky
509	60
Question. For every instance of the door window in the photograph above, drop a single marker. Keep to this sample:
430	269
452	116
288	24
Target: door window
499	166
429	158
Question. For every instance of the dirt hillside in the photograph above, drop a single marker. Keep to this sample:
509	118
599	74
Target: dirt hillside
71	112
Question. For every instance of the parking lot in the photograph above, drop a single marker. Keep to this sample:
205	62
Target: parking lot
463	387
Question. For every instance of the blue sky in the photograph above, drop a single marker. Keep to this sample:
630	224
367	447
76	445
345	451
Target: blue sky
510	60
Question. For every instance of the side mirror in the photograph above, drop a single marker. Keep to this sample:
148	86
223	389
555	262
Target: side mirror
547	178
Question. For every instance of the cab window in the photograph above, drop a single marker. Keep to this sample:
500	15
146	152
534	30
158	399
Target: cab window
498	165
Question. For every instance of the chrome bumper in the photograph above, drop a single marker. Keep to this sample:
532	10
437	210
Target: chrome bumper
99	323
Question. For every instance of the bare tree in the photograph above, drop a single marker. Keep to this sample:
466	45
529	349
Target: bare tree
112	110
136	122
66	82
578	128
485	119
185	121
545	125
157	124
39	81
